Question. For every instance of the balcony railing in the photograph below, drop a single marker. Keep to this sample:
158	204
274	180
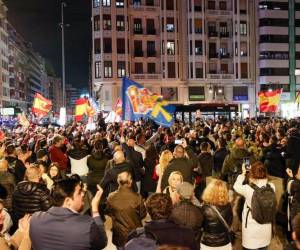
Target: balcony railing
213	55
197	8
151	32
224	34
138	31
225	56
146	76
138	53
151	53
213	34
220	76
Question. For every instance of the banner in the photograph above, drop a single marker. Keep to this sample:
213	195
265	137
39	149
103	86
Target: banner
41	105
116	114
139	102
269	100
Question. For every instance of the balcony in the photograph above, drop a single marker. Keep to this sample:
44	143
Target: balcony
198	30
138	31
213	34
138	53
225	56
224	34
220	76
213	55
151	53
151	31
146	76
197	8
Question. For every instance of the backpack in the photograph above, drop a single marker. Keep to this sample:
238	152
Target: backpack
140	239
263	204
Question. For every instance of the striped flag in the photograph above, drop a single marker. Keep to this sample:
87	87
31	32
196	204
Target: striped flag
269	100
41	105
80	108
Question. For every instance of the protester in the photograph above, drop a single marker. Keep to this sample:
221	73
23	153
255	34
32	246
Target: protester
96	163
126	216
165	158
7	180
83	232
175	179
30	195
219	156
57	155
15	165
159	207
295	235
256	234
180	163
185	213
54	172
217	217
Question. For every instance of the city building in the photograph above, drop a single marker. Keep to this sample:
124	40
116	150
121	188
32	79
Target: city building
4	88
274	48
55	93
198	54
17	69
72	94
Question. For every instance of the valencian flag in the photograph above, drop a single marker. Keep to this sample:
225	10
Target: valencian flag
140	102
269	100
82	108
41	105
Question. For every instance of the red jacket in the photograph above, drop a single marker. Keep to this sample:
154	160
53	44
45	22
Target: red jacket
57	155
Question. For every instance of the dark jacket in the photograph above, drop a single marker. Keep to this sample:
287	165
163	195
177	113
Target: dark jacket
148	183
293	152
219	157
136	161
30	197
16	167
109	182
60	228
96	163
206	162
167	232
274	161
78	154
215	234
7	180
187	214
183	165
295	192
126	216
233	162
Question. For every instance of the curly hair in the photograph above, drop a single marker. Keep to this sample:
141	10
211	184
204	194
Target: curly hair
159	206
165	157
216	193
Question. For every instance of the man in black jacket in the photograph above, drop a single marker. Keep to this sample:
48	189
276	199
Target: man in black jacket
180	163
295	235
63	227
30	195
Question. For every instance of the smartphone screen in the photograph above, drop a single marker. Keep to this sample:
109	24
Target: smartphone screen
246	161
178	142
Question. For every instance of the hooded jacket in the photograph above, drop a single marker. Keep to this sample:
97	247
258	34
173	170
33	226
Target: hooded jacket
30	197
96	163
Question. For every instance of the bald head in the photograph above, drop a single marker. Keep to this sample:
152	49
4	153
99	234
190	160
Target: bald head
119	157
124	179
3	165
32	174
240	143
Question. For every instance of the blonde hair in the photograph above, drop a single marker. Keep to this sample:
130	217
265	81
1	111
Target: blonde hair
165	157
216	193
172	175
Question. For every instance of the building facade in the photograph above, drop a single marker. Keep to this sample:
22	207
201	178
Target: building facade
190	52
55	93
72	94
273	50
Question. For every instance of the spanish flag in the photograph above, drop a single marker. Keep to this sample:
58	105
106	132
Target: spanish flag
80	108
298	97
269	100
41	105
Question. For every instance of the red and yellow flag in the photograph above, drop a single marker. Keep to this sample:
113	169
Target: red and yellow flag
297	100
41	105
80	108
269	100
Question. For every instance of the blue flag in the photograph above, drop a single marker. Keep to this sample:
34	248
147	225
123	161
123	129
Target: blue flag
138	102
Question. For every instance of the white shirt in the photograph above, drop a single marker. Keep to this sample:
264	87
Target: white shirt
79	167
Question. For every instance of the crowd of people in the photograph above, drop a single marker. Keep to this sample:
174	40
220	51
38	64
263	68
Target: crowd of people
210	184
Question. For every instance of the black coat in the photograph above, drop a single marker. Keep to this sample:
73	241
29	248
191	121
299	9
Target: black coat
206	163
148	184
293	152
30	197
219	157
295	192
167	232
215	234
183	165
274	161
136	161
187	214
97	164
109	182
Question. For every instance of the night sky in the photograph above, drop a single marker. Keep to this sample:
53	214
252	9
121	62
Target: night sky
37	21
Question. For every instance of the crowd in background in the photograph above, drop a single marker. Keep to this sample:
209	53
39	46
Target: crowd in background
210	184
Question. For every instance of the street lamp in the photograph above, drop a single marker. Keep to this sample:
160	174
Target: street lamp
62	25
